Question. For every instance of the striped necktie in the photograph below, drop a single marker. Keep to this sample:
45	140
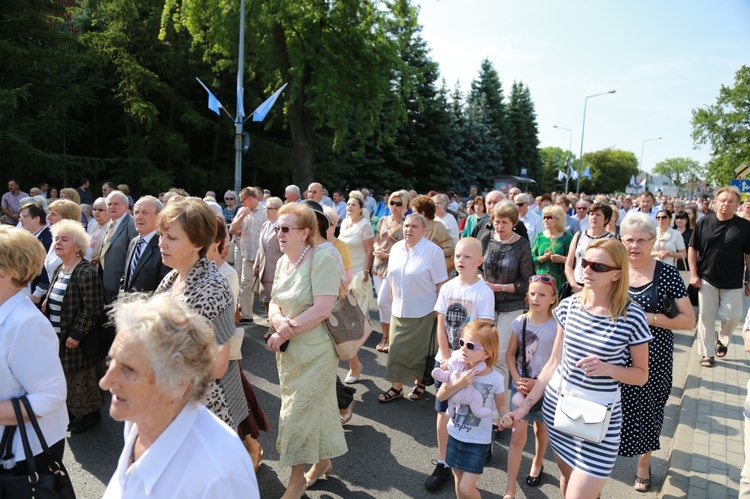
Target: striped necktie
107	240
139	246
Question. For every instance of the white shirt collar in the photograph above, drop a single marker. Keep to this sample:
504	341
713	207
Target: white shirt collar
148	236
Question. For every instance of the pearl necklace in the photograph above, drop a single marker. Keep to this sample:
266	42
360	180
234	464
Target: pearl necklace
506	241
295	265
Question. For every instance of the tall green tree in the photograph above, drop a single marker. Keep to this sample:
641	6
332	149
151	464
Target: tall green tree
487	92
523	132
336	57
46	89
725	125
680	171
611	170
553	160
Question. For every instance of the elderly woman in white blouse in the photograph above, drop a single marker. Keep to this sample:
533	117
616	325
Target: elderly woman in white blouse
416	270
162	364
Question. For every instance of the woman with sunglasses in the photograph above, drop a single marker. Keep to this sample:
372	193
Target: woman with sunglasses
597	329
550	247
388	232
306	285
650	281
479	216
599	216
669	245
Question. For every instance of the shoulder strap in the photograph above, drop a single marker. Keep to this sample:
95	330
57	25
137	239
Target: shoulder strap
525	374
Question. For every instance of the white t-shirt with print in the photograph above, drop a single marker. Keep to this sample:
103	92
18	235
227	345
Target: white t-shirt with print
461	304
464	426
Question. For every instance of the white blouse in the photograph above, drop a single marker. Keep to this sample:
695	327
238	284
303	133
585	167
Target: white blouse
413	276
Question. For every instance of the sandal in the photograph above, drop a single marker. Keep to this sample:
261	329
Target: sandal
386	347
391	394
721	349
417	392
707	362
533	481
642	484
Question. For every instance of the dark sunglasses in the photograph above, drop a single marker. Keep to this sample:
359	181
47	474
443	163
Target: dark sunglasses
597	267
662	217
543	278
521	204
396	203
285	229
228	199
469	345
549	217
581	208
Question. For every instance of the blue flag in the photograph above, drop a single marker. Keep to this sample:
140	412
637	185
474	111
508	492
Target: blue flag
586	173
574	174
260	113
632	180
213	103
560	176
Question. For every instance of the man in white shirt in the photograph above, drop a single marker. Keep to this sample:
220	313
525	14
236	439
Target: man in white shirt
627	205
582	214
315	193
646	205
531	220
370	202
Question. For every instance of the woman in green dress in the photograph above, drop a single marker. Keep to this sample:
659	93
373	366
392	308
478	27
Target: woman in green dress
550	247
304	288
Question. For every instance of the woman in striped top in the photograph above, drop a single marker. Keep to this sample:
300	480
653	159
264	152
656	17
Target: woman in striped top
597	329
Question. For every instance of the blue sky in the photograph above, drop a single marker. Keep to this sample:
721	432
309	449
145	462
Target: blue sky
663	58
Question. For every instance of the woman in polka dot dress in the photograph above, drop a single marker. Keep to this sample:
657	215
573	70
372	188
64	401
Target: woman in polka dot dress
643	406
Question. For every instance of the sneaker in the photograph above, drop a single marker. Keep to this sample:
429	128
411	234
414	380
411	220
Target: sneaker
439	477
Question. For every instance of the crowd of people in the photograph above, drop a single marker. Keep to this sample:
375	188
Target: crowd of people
527	304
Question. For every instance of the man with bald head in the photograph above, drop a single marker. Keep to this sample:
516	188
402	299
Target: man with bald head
315	193
144	269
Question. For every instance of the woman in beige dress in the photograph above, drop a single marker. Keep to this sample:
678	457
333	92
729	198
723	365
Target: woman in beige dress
304	290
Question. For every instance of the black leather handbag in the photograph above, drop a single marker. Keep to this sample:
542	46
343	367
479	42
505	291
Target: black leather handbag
52	483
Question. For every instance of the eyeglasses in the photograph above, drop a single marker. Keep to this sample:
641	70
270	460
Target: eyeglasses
521	204
662	217
549	217
285	229
269	208
396	203
228	199
469	345
639	242
582	208
597	267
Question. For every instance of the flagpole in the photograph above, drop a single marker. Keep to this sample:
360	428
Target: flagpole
583	128
239	119
570	153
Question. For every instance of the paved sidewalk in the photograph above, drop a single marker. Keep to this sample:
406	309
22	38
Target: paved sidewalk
707	449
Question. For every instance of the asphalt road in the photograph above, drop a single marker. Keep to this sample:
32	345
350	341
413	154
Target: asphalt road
390	445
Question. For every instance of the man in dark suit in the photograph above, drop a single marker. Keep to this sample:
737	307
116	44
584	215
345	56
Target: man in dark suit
34	219
120	232
144	269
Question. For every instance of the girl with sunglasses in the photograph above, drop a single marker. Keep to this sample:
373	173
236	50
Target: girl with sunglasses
597	330
470	437
529	350
388	232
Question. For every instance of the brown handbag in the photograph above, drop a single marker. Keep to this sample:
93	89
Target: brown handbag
347	325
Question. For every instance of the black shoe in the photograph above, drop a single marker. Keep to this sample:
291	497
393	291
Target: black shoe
490	452
439	477
245	320
85	422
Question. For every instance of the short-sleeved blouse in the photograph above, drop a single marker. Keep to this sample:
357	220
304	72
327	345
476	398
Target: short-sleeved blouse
413	276
671	241
354	236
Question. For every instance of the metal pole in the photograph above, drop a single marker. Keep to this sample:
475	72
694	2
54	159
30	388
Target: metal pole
583	129
240	107
640	160
570	151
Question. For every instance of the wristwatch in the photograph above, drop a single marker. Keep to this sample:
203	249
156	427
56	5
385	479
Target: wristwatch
503	288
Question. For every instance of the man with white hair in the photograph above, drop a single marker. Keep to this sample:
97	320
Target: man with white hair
120	232
291	194
144	269
531	220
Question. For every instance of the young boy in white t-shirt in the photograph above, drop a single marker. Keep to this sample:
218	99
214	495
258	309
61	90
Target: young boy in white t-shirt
464	298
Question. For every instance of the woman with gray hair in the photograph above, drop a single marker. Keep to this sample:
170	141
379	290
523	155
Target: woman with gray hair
98	227
650	282
162	365
230	210
441	203
416	270
74	303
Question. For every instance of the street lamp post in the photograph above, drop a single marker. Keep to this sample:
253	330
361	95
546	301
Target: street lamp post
640	160
570	151
583	128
